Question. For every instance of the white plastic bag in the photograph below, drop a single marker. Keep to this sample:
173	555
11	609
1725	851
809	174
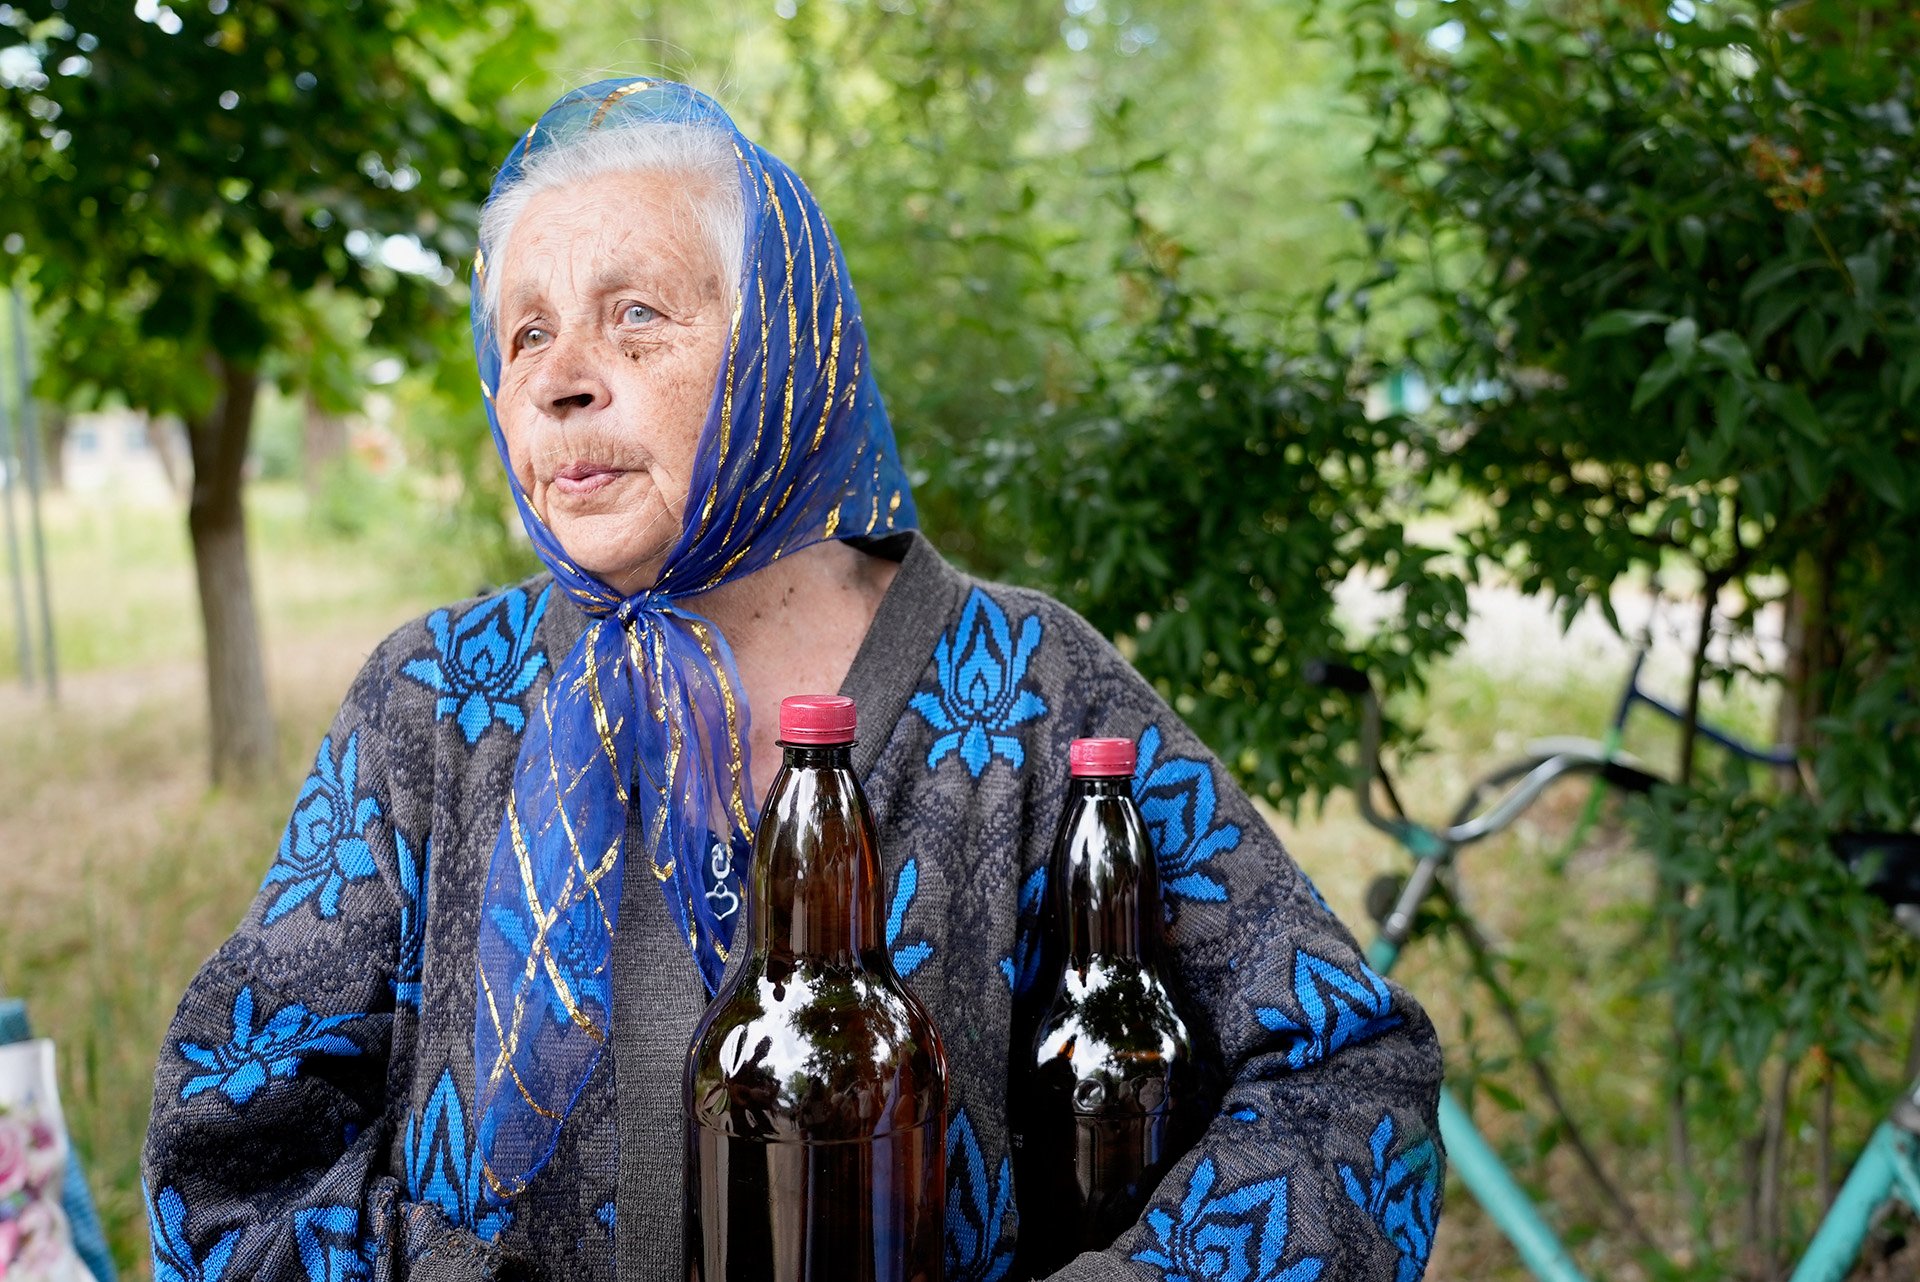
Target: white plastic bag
36	1244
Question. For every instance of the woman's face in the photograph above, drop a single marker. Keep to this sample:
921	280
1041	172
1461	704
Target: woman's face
612	327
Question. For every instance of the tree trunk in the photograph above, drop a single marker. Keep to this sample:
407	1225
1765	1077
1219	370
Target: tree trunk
54	421
238	713
164	437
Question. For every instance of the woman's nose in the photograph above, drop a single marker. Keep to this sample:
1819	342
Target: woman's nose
570	381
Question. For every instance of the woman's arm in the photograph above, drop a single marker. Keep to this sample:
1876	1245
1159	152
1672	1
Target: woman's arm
267	1154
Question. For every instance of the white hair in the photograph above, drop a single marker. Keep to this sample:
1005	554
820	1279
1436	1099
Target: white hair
699	155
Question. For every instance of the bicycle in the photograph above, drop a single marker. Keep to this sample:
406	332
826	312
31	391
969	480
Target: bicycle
1888	1169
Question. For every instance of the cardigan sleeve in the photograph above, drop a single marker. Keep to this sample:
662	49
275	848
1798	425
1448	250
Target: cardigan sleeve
267	1152
1320	1156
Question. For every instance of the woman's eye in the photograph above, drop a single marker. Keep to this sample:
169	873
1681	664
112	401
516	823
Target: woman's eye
533	336
637	314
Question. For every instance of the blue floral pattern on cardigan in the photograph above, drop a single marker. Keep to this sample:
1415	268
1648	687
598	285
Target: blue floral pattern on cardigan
173	1257
483	662
413	919
442	1167
328	1239
1178	802
907	957
253	1057
1335	1009
325	845
1402	1194
1238	1235
1021	967
976	1209
981	668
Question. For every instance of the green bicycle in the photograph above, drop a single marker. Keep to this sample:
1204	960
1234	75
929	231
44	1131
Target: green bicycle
1888	1169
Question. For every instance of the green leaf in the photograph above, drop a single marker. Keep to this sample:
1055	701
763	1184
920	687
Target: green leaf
1771	275
1730	350
1877	470
1693	238
1659	376
1610	324
1800	414
1683	336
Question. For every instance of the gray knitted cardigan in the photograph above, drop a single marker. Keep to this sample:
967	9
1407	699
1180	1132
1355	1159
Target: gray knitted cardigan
312	1106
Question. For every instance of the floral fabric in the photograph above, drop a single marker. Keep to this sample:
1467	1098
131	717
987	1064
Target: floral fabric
314	1111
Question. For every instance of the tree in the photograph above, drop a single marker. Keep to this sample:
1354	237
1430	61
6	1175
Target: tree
191	187
1668	258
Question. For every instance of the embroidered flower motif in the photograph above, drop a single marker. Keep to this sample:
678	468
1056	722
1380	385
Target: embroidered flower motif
1335	1007
328	1239
586	974
413	919
442	1168
1402	1195
253	1057
325	845
173	1257
483	666
1236	1236
1022	967
906	957
1176	799
976	1209
981	667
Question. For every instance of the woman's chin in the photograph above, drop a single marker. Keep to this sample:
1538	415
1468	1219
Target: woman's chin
605	546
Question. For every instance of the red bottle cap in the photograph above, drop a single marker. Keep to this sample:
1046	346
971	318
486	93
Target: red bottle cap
817	719
1101	758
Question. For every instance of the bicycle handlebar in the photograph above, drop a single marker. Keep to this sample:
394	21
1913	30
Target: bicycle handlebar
1328	674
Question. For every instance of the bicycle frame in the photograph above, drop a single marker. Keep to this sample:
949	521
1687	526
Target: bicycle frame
1771	755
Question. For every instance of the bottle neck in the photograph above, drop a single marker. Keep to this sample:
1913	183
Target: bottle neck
1109	893
816	865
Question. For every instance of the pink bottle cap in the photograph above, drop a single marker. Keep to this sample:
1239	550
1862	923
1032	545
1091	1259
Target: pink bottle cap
1101	758
817	719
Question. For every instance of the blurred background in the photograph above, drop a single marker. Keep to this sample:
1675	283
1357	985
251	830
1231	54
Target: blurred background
1468	341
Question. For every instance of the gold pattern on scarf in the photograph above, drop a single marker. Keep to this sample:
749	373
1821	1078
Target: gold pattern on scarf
726	393
590	880
607	103
736	753
600	718
766	346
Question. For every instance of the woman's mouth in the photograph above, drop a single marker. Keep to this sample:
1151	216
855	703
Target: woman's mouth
586	477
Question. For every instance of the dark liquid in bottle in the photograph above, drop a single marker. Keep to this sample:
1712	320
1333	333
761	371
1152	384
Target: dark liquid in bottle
1097	1098
787	1212
816	1084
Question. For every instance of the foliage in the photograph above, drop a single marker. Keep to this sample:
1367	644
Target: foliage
205	179
1784	951
1202	494
1664	260
1673	267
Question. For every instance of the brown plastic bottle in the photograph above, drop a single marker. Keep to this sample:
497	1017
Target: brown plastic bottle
1099	1101
816	1086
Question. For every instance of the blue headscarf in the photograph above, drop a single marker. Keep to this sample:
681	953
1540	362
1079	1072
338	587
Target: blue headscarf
647	715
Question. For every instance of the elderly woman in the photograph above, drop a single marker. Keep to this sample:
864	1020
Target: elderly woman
447	1040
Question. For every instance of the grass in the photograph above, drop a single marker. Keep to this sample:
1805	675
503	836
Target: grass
120	871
